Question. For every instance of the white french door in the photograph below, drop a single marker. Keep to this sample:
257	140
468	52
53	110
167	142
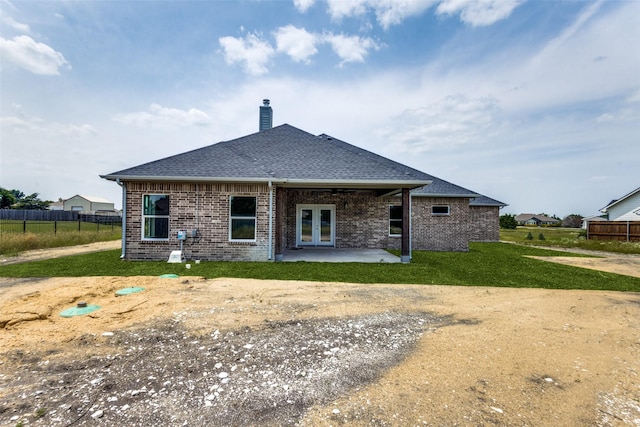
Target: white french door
316	225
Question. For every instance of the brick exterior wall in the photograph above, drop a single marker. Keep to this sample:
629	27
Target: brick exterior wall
485	224
204	207
440	233
362	221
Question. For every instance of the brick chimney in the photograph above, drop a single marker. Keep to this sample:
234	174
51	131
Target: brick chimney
266	116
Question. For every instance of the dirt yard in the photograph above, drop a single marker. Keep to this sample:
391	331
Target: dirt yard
196	352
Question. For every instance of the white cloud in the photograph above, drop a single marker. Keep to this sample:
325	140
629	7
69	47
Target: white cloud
388	12
46	129
303	5
478	12
350	48
339	9
634	96
445	125
160	117
35	57
393	12
252	51
296	42
563	72
570	32
23	28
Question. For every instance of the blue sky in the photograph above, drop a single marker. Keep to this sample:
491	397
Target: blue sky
534	103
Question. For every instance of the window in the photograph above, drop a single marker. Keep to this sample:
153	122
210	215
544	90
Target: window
155	217
440	210
242	218
395	220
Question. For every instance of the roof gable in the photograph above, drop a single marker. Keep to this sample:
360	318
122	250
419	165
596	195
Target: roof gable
283	153
616	201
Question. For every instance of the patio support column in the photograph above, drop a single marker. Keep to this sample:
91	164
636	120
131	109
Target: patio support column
406	236
280	218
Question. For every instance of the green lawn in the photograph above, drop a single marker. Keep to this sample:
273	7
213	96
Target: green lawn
486	264
566	238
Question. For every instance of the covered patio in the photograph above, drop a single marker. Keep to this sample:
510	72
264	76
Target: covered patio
320	254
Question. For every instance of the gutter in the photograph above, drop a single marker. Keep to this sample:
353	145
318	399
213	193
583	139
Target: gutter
362	183
124	218
189	179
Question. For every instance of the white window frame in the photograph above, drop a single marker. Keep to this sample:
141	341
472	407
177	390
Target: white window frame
145	216
448	213
254	218
390	219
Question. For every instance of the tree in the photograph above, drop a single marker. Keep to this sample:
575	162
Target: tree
508	221
32	202
7	199
16	199
572	221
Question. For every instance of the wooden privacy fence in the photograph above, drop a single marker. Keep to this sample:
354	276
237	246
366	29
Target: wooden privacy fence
625	231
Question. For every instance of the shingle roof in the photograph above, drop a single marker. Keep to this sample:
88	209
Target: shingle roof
486	201
281	154
527	216
441	188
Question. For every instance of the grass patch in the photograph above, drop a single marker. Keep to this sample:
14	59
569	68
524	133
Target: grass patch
486	264
14	243
565	238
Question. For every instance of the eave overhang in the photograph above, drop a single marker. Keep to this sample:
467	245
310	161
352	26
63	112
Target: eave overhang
289	183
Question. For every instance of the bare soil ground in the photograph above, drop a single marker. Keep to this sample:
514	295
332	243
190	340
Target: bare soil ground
190	351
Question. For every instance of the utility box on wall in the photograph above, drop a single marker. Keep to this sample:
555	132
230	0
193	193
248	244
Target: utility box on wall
182	235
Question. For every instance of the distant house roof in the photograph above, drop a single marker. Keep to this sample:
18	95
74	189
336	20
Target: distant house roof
93	199
486	201
616	201
540	218
283	154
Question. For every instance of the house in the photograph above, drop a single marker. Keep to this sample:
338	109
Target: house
254	197
536	220
87	204
57	206
626	208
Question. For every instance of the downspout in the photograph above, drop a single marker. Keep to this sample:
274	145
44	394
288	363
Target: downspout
124	218
270	220
410	227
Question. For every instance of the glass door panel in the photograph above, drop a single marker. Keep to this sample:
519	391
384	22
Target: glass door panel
316	225
326	226
306	225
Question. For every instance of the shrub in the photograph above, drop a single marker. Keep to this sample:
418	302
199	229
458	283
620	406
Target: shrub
529	236
541	236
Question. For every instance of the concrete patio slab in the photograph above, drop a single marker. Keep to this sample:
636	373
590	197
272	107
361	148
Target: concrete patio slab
339	255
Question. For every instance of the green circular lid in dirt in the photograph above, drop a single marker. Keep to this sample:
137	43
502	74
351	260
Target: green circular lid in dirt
79	311
131	290
169	276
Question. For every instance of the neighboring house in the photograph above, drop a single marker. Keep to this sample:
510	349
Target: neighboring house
536	220
626	208
254	197
588	219
87	204
56	206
